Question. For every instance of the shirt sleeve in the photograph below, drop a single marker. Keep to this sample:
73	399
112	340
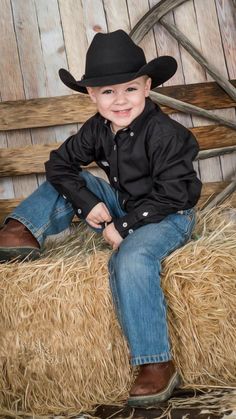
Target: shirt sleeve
64	167
174	182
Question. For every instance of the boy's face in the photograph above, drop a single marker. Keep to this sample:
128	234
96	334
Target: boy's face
121	103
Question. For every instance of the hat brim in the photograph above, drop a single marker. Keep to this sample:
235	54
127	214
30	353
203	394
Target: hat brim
159	70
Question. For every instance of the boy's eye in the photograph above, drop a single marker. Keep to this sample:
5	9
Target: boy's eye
131	89
107	92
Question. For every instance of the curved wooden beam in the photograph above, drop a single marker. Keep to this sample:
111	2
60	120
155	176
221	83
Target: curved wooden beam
147	22
215	152
187	107
209	67
221	197
151	17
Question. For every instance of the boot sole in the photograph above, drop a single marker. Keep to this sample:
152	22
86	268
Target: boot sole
19	253
153	399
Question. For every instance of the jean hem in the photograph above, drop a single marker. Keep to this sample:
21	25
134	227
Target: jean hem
27	224
151	359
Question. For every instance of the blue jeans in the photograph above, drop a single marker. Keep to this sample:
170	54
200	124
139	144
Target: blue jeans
134	269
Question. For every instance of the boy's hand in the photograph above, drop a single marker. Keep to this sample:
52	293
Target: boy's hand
112	236
99	214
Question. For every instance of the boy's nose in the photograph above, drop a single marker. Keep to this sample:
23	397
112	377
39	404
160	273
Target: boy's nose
120	98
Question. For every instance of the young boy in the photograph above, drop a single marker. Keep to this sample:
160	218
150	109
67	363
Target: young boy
146	211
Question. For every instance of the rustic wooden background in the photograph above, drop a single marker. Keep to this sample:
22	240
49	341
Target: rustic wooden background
37	37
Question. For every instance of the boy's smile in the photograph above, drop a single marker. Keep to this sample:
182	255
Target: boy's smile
121	103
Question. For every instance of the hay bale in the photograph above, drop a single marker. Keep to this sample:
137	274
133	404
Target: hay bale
199	281
61	347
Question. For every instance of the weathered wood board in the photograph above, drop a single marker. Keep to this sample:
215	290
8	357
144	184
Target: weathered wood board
38	37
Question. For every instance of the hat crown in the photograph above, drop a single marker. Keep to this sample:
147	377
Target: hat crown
113	53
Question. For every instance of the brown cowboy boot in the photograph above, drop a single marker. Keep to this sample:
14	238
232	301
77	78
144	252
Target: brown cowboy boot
154	383
17	242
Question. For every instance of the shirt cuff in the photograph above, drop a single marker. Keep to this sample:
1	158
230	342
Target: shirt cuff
143	215
126	224
85	202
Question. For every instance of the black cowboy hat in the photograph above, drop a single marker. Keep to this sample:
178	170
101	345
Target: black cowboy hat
113	58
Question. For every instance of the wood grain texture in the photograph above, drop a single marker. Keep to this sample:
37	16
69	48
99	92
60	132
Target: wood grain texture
136	11
212	189
70	109
34	73
45	112
74	31
209	66
37	37
212	48
53	50
115	9
12	87
27	160
221	197
94	18
209	190
226	13
191	109
206	95
193	71
186	20
151	17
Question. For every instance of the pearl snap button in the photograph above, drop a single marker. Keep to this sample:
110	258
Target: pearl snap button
125	224
115	179
79	211
131	134
131	231
145	214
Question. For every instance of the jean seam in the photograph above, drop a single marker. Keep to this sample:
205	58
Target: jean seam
115	296
163	307
45	226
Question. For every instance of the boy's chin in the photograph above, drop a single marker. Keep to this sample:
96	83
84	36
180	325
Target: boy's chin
121	123
116	127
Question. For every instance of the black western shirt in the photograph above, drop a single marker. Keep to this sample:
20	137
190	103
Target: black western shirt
149	163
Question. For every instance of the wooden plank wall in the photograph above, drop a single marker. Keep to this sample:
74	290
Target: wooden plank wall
37	37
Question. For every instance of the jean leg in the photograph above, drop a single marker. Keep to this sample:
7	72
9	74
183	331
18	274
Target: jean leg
105	192
44	212
135	282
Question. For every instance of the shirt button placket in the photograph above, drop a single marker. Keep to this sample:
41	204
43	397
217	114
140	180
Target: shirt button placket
115	168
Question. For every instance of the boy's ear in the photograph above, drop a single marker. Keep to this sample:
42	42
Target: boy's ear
91	94
148	86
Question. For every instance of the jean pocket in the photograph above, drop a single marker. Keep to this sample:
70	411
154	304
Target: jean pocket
184	221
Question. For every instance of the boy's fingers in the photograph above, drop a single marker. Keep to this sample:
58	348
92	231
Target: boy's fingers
93	224
105	214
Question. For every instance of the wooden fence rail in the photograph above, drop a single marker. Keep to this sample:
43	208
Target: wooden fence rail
31	159
78	108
